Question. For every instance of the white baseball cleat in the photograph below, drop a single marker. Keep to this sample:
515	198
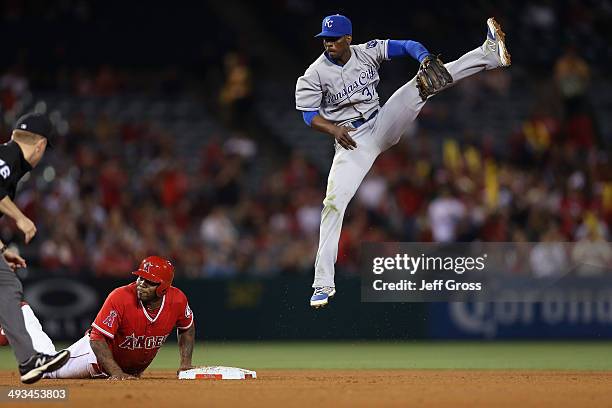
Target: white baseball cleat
495	42
321	296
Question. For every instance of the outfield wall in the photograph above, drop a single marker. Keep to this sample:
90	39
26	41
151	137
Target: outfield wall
278	309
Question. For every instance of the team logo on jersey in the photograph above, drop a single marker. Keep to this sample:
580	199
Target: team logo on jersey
329	22
371	44
188	311
110	319
133	342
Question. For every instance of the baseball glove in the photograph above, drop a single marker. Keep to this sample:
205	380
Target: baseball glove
432	76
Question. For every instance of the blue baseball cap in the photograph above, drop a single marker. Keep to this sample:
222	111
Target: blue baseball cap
335	26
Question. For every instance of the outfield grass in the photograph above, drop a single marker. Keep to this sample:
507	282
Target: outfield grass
386	355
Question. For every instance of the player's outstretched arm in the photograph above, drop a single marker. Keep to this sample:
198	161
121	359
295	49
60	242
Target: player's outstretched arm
186	341
105	358
401	48
341	134
8	207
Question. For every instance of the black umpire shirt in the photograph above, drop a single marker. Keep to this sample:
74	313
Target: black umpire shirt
13	166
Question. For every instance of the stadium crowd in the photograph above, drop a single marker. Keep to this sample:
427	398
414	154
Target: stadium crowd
115	191
119	192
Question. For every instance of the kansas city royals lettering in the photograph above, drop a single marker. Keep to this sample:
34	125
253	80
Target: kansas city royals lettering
330	88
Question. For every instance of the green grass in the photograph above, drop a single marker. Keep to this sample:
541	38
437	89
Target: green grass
382	355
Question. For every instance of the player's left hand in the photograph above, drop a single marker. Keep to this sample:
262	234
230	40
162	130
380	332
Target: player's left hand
13	260
432	77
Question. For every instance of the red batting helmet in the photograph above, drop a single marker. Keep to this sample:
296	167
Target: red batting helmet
157	269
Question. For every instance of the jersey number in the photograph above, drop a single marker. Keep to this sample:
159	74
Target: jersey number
5	170
366	92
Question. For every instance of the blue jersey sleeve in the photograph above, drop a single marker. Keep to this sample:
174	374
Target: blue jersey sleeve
400	48
309	116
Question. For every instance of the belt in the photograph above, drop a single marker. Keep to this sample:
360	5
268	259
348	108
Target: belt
359	122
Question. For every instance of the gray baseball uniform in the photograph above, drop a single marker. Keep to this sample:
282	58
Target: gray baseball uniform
346	93
343	94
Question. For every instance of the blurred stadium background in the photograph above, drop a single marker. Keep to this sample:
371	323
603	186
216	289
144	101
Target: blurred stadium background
179	137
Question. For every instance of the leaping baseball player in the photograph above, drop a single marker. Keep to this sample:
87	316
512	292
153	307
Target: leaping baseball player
337	95
131	326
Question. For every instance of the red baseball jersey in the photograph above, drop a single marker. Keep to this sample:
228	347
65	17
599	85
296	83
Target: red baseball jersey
133	334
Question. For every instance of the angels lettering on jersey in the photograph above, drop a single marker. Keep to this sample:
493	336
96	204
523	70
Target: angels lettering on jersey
133	342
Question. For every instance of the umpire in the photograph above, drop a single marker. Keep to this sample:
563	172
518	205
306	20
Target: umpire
31	136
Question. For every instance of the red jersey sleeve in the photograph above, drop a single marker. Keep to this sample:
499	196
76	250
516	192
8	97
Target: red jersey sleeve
185	316
109	317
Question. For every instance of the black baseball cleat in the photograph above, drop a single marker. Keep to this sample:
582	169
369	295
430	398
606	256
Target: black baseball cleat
39	364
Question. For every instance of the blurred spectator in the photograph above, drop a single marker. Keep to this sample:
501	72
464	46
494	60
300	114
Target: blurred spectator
445	213
517	259
174	186
235	97
240	144
217	230
13	86
572	74
112	260
298	173
592	255
373	191
308	213
549	257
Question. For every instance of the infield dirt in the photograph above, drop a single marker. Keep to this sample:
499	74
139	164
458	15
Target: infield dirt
341	388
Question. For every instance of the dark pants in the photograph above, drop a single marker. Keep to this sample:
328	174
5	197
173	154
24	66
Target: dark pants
11	317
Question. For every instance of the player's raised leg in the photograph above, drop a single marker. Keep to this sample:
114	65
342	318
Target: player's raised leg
346	174
492	54
404	105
